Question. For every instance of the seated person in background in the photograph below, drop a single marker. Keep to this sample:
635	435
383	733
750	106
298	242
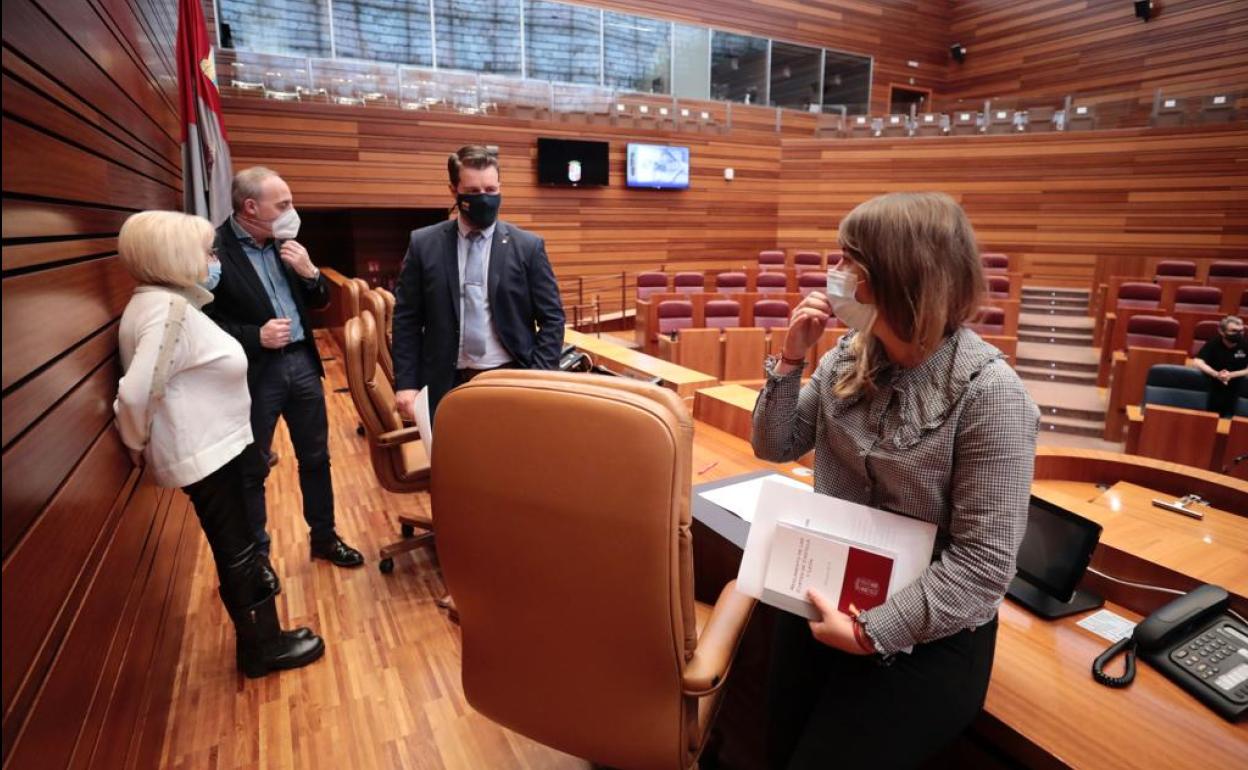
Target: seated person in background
183	405
1224	359
914	414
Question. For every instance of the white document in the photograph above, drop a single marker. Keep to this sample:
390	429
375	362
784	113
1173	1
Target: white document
1108	625
742	498
423	422
908	541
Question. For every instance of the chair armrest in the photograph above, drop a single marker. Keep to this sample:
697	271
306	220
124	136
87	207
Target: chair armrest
717	645
400	436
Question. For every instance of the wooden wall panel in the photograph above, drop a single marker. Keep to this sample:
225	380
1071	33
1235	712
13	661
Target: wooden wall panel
1059	202
92	550
1038	52
342	157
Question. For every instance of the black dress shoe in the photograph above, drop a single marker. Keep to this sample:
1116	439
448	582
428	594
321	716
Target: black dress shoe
337	553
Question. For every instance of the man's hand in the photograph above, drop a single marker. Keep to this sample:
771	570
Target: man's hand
275	334
295	255
405	402
1224	376
835	628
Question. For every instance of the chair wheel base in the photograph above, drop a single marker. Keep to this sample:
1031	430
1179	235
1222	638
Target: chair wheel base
386	566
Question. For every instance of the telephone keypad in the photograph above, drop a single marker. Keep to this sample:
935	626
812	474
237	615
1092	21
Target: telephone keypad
1206	657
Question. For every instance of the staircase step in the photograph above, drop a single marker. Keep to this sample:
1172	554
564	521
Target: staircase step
1040	330
1072	426
1090	415
1056	375
1055	293
1062	311
1055	338
1066	322
1047	366
1042	302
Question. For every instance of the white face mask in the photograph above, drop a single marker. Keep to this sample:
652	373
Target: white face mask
286	226
841	288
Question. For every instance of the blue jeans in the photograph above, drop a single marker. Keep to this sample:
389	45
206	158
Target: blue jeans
291	388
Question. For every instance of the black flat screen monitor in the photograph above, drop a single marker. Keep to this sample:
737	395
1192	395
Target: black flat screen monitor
1057	549
572	163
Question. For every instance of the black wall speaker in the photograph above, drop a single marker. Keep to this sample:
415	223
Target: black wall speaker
957	51
1144	9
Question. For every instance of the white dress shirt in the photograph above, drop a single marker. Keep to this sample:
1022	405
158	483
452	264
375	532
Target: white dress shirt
495	354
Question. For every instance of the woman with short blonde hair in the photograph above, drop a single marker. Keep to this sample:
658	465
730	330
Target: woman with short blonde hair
915	414
183	407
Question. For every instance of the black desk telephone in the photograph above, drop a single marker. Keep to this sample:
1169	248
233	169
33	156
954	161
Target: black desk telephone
1194	642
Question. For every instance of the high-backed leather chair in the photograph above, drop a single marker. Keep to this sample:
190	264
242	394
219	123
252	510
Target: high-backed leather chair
388	327
573	572
372	302
397	453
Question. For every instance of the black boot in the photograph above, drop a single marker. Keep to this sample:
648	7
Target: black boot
245	580
263	646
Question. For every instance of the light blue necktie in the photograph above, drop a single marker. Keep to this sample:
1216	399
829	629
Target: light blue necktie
475	321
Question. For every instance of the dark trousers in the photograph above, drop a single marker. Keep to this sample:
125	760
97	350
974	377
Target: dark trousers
218	501
291	388
829	709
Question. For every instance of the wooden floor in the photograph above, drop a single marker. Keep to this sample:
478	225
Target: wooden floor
387	694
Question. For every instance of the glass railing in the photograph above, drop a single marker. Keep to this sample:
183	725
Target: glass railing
1078	112
365	84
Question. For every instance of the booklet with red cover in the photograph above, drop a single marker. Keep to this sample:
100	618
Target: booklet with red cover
803	558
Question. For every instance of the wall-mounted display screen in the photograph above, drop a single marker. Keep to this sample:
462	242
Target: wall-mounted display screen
572	163
658	166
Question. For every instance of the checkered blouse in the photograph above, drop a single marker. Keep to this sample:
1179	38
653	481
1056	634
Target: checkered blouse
951	441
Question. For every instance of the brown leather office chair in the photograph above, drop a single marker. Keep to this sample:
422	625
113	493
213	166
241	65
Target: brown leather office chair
563	513
387	297
397	453
372	302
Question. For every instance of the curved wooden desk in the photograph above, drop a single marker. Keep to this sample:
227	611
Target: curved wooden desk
1043	708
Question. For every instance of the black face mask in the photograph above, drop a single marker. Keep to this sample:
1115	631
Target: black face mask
1233	337
480	208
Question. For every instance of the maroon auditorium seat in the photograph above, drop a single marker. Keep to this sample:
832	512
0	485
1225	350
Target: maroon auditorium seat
834	257
690	283
991	320
1152	331
808	260
771	260
1137	294
730	283
812	281
675	314
998	287
1206	299
651	283
723	313
995	263
1175	268
1204	331
769	313
772	283
1228	270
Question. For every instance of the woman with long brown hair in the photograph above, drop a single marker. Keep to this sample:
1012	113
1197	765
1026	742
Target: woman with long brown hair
915	414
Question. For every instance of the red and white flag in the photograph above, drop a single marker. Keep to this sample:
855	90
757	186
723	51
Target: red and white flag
206	171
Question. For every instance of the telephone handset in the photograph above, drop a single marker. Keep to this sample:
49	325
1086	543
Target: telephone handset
1193	641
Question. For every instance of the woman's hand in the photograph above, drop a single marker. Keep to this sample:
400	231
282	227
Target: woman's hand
806	326
834	628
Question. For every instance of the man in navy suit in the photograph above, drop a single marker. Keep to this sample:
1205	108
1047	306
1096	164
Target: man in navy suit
475	293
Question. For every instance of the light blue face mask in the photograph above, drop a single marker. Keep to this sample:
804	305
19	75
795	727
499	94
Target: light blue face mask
214	276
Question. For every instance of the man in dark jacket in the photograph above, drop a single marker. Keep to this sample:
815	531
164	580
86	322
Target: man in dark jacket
267	283
475	293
